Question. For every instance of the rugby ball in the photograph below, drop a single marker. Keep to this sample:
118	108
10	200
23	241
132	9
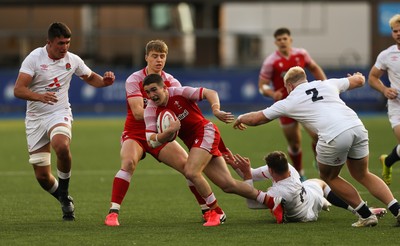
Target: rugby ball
163	121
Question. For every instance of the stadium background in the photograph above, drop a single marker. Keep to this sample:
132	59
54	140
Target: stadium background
216	44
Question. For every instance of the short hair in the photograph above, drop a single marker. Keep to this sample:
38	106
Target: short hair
157	46
395	19
281	31
58	30
153	78
294	75
277	161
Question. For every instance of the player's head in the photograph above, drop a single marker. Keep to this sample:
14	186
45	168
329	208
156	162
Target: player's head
156	55
281	31
283	40
294	76
156	45
58	40
277	162
153	85
58	30
394	23
394	20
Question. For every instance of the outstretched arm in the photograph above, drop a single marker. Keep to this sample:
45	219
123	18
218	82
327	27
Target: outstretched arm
356	80
96	80
250	119
213	98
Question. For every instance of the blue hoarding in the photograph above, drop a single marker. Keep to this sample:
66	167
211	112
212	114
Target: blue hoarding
238	92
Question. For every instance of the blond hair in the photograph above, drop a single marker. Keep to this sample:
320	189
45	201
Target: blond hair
294	75
395	19
157	46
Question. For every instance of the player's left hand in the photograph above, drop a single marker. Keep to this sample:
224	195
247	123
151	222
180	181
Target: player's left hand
223	116
239	125
108	78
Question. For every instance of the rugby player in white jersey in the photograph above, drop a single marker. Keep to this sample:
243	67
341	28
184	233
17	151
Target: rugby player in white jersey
389	61
43	81
342	137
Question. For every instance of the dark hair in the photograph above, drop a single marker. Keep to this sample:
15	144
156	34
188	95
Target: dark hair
281	31
277	161
57	30
153	78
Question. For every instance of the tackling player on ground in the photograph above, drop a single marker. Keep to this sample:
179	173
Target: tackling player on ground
342	137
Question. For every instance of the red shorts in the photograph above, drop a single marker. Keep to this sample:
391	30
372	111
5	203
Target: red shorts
286	121
207	138
141	140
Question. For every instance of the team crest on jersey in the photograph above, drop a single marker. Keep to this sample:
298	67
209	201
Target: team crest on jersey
394	58
66	119
177	105
68	66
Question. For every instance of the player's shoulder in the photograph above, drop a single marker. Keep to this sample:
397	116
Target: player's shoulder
272	58
37	53
388	50
297	50
136	76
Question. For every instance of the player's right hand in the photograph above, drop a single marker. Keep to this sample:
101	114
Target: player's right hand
48	98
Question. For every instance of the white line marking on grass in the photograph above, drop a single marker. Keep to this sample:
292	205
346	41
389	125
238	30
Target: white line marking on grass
94	172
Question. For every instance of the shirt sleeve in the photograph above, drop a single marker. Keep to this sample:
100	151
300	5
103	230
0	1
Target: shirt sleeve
82	69
380	61
260	173
150	119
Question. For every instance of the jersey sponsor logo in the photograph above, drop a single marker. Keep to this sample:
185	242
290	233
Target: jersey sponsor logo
183	115
54	87
394	58
44	67
68	66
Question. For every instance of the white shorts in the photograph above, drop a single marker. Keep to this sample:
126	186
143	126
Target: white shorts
394	112
37	129
352	143
315	197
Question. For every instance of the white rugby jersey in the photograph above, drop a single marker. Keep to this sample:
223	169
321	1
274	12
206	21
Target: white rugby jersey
51	75
318	106
299	198
389	60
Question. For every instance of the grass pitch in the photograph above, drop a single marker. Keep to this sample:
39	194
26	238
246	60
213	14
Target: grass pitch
159	209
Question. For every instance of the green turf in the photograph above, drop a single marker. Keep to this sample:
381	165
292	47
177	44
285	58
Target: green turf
159	209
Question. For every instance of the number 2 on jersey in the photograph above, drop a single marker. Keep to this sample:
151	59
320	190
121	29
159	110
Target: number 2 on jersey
315	96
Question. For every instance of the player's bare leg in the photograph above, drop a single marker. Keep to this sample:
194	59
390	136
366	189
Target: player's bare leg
61	145
178	161
197	161
131	153
293	137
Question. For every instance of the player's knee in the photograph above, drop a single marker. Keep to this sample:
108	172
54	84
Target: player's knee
228	187
63	130
40	159
128	165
